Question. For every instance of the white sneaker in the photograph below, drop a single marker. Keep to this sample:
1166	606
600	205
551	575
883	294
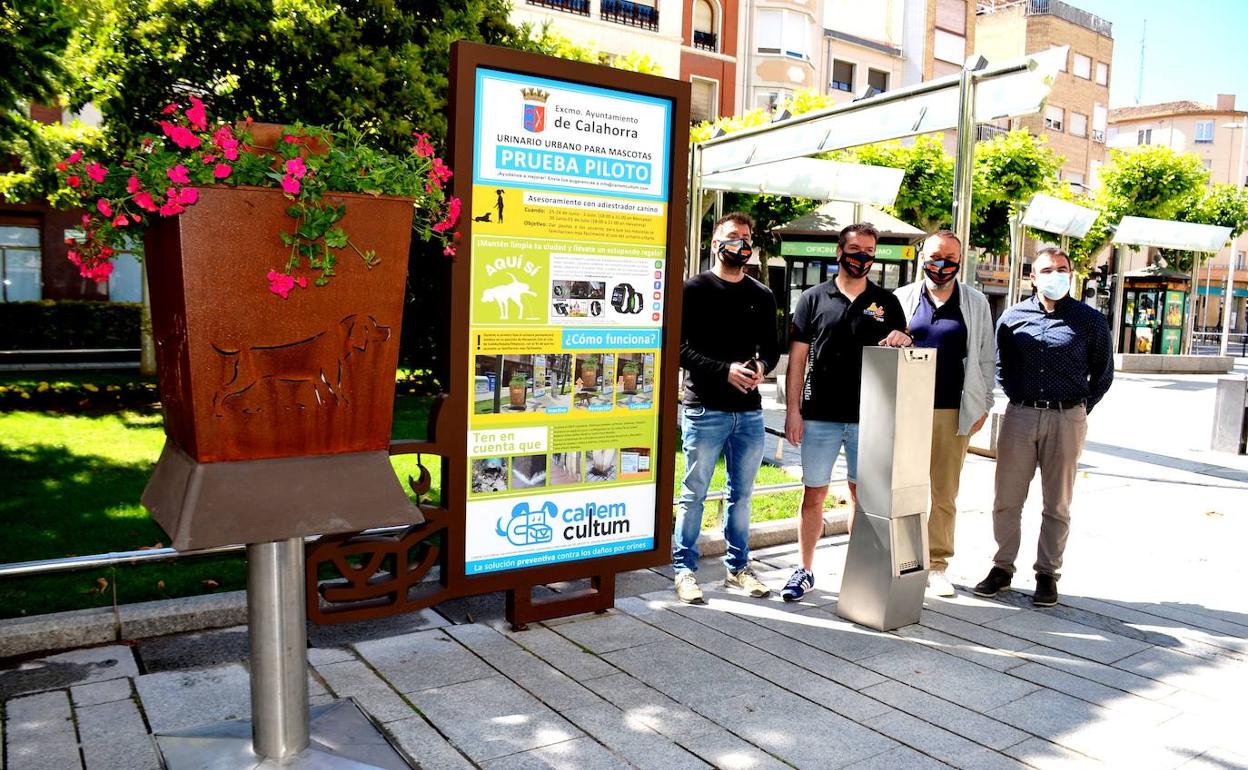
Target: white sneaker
939	585
687	589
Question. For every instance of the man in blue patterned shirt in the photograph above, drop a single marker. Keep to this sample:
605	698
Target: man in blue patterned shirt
1055	362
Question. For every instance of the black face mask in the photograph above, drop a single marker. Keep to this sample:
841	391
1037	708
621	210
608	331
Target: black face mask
736	253
940	271
856	265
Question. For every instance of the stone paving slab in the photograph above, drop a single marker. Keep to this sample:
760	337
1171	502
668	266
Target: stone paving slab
422	660
422	743
67	669
114	737
631	738
1075	638
39	733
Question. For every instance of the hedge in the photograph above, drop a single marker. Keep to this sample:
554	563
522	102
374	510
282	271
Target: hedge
69	325
108	394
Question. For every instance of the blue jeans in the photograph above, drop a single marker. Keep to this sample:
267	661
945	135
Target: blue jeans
706	434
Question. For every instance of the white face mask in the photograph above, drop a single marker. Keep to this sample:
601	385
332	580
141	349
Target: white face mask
1053	285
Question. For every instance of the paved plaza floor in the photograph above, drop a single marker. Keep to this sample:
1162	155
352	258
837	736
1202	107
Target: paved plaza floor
1143	663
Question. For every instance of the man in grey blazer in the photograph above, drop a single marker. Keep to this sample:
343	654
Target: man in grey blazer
952	317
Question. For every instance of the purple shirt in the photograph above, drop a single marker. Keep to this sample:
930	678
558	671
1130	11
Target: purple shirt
942	328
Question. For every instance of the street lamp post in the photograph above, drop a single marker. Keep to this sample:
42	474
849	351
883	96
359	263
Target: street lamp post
1229	299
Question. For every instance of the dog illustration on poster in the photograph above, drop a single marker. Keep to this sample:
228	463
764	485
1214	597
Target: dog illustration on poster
507	294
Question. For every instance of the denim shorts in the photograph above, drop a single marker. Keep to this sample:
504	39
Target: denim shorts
821	443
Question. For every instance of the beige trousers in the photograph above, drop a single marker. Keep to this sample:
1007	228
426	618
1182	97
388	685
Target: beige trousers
1051	439
948	454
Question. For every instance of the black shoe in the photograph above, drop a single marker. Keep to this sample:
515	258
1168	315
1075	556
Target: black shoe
998	580
1046	591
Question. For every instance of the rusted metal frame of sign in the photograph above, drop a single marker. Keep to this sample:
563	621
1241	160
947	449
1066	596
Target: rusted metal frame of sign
383	576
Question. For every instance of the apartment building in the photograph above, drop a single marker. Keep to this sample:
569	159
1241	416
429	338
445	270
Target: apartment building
694	40
847	49
708	57
1216	134
1075	118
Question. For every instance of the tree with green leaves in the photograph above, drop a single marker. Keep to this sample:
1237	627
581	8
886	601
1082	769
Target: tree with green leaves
1009	169
925	198
33	36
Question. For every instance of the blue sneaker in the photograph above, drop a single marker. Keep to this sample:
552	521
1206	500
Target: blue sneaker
802	581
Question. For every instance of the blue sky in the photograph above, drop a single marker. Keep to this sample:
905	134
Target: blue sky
1193	50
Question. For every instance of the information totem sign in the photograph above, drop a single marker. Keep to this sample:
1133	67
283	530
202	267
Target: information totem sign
569	267
557	432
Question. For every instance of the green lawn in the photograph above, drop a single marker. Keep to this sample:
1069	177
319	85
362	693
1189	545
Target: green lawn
72	484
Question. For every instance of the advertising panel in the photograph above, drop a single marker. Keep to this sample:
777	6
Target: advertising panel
570	206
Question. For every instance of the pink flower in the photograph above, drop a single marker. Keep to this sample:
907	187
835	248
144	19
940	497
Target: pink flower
197	115
96	172
291	185
208	159
449	251
166	126
187	196
423	148
144	201
61	166
179	175
303	282
73	257
439	173
281	284
453	208
183	137
73	181
221	171
295	168
86	219
169	109
290	139
74	156
121	221
132	185
170	208
224	139
104	207
100	272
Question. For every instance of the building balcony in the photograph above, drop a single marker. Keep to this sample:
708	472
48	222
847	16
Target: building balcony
985	132
579	7
1071	14
707	41
630	14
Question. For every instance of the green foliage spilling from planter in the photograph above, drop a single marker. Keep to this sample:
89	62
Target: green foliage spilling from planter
69	325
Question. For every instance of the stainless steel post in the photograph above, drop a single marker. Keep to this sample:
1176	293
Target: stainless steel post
1016	258
964	170
1120	270
886	566
279	648
693	259
1229	299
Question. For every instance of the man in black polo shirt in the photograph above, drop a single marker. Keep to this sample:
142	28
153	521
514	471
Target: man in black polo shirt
832	323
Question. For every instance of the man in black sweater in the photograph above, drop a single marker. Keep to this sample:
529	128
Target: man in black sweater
728	342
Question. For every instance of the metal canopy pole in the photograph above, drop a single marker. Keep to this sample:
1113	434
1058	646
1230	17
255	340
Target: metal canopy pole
964	168
693	257
1120	258
1016	258
1229	298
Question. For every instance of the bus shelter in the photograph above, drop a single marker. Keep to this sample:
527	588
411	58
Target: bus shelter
1152	308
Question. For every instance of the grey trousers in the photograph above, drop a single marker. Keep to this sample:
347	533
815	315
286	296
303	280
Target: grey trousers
1051	439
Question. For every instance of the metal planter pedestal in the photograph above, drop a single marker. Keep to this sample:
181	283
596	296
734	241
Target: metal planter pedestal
281	733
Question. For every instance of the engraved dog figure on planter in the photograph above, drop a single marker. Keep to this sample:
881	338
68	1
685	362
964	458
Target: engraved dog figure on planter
260	376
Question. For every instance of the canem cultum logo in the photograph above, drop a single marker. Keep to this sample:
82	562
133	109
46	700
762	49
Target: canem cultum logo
525	525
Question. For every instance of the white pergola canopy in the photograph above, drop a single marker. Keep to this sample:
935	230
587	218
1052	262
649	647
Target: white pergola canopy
1008	90
813	178
1054	215
1168	234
